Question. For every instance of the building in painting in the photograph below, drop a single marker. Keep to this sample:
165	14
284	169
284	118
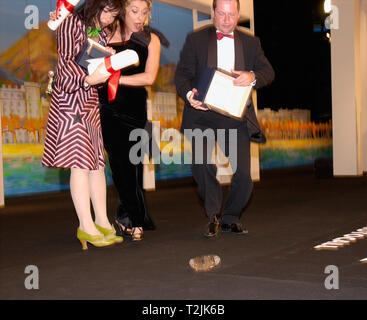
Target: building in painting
21	113
300	115
164	104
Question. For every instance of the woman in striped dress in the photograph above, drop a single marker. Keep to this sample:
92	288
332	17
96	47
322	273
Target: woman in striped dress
74	138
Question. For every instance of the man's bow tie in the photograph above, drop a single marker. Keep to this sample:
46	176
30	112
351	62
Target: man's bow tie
220	35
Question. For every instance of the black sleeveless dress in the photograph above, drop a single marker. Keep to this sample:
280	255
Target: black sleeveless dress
126	113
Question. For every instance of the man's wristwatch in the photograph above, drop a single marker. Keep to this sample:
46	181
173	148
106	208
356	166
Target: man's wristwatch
253	82
86	85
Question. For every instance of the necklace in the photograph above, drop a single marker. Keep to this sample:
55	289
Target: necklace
94	33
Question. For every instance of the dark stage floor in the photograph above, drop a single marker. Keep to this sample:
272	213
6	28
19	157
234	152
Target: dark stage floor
290	212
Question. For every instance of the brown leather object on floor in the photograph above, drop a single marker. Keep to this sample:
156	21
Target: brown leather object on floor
205	263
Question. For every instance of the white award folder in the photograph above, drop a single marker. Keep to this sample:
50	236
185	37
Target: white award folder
218	93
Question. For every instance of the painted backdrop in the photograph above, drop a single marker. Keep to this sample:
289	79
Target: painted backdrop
28	52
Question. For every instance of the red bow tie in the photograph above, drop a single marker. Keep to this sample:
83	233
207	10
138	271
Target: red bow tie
220	35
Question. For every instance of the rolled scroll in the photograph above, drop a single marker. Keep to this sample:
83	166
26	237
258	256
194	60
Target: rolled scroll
119	61
112	65
63	9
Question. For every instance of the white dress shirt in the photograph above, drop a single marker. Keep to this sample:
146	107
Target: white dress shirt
225	56
225	53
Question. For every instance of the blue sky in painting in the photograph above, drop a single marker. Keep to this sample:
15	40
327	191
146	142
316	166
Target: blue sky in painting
174	22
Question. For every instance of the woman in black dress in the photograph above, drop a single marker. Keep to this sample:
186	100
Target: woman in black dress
128	112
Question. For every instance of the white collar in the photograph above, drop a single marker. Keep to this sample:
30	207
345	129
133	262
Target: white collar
231	33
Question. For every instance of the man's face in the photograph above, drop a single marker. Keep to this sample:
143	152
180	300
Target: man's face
226	15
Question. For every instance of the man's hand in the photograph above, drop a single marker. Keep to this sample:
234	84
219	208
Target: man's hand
244	78
196	104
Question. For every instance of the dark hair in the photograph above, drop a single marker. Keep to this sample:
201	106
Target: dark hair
91	10
215	4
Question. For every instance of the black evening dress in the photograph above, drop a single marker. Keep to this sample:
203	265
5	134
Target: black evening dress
118	118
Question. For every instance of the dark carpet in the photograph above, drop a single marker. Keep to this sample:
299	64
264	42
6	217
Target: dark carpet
290	212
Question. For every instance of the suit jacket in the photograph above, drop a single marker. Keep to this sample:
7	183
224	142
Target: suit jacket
199	52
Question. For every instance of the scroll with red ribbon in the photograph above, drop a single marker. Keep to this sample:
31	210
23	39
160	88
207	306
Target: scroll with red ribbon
113	82
112	65
63	9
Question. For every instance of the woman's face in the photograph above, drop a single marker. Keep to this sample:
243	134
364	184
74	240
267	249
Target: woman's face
135	16
107	17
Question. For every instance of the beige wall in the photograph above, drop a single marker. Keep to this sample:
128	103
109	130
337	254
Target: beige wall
363	37
349	88
204	6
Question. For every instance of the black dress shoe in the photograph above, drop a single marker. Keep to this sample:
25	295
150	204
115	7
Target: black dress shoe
213	229
236	228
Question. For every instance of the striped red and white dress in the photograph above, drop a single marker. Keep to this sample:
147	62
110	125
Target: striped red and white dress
74	137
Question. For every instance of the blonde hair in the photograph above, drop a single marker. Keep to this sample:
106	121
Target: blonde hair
148	2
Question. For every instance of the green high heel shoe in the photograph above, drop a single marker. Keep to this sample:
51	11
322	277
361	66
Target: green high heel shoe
110	234
96	240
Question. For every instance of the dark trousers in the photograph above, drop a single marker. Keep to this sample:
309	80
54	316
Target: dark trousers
210	190
127	177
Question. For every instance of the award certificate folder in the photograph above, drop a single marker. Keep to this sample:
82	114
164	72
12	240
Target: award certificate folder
91	50
218	93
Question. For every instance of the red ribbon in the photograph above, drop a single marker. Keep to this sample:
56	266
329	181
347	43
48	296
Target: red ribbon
68	6
113	82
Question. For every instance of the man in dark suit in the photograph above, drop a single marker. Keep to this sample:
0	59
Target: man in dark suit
222	46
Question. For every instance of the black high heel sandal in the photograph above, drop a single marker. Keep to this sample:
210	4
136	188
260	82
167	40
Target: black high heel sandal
137	236
123	229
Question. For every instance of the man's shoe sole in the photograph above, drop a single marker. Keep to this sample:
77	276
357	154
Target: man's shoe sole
211	235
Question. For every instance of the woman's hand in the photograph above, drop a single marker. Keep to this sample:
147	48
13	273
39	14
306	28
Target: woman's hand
97	76
110	50
53	16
